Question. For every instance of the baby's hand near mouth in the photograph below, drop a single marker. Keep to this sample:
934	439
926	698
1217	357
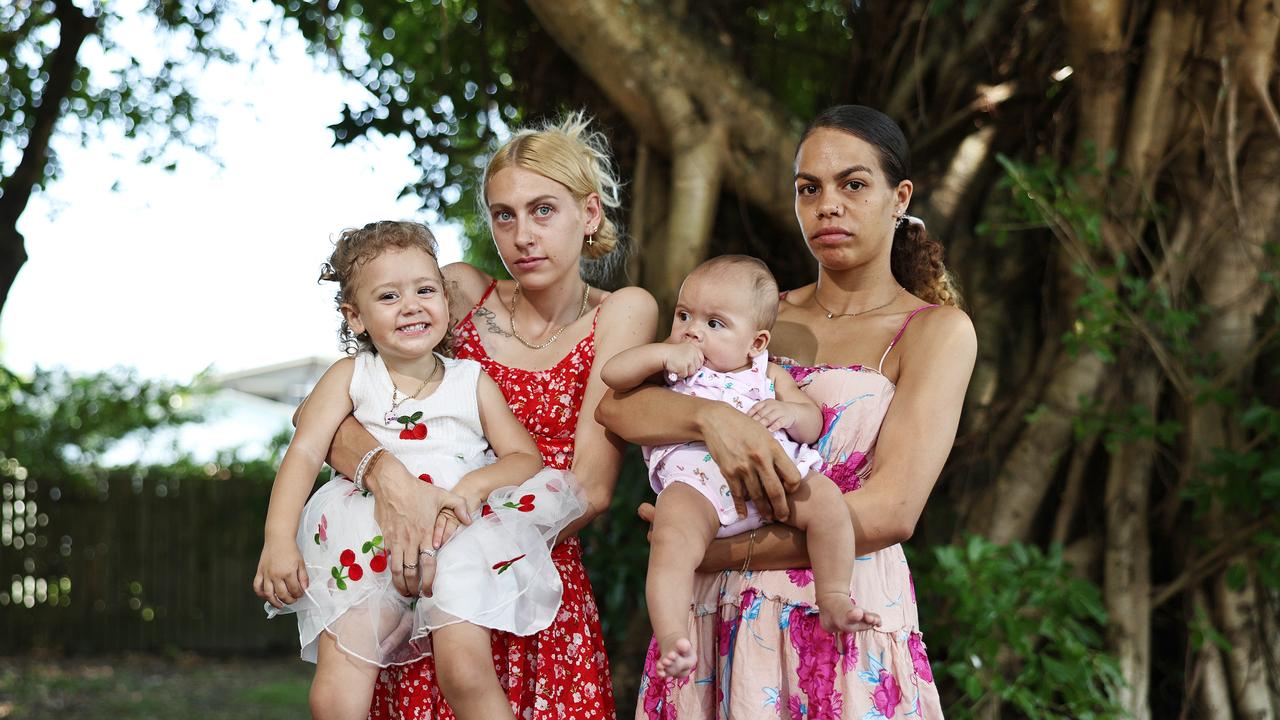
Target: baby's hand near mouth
683	359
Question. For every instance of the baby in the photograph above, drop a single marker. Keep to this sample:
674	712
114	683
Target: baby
718	350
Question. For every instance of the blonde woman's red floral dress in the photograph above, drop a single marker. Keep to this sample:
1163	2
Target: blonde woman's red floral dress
561	672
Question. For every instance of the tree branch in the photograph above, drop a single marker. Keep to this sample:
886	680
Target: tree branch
1213	561
74	28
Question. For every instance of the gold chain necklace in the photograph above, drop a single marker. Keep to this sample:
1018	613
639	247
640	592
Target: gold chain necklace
832	315
396	392
586	291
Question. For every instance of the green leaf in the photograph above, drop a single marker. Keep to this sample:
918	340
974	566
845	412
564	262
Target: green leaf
973	687
1256	416
342	584
334	572
366	547
1036	413
1236	576
415	417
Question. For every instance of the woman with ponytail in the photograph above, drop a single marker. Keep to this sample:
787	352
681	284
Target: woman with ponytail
542	336
879	342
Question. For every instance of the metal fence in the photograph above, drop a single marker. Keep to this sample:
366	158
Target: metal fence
143	561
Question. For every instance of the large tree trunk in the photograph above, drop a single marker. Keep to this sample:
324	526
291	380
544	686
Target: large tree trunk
686	101
74	28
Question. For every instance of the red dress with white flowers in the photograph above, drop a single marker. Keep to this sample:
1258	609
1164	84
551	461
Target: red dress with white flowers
561	672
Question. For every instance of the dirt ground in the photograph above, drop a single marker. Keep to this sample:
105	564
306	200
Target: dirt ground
128	687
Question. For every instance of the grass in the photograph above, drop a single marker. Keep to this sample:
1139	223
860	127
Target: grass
141	687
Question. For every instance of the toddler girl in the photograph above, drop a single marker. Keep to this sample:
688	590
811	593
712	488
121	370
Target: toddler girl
445	420
718	350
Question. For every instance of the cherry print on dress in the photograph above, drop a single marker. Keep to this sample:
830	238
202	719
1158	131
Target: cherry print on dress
413	430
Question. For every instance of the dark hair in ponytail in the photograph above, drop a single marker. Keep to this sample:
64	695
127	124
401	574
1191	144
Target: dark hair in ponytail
916	258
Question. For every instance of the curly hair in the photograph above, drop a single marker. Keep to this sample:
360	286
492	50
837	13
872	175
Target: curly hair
353	249
574	155
916	259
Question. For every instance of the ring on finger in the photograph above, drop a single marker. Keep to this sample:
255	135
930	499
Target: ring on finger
429	552
410	566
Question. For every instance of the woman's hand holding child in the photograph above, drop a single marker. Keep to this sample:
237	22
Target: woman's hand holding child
406	508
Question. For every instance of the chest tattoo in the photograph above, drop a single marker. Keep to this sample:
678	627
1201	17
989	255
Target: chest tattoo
491	322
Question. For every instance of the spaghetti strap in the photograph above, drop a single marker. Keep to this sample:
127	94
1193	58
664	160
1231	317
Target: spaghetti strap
475	307
595	319
896	338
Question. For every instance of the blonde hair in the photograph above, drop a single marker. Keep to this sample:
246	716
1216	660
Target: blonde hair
353	249
575	156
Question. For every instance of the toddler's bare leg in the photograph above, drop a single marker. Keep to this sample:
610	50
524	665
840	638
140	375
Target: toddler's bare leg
464	668
819	510
343	686
684	524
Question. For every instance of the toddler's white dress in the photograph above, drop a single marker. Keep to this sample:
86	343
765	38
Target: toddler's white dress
496	572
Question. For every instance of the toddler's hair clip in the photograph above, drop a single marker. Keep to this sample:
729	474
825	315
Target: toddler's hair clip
327	273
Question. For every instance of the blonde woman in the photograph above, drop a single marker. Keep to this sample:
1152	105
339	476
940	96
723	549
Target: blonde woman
542	337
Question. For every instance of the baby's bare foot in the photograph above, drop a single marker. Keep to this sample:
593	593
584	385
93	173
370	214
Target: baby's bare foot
837	613
678	660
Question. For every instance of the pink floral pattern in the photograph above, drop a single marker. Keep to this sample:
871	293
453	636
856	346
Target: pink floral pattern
816	673
847	475
919	659
887	694
801	577
561	672
762	652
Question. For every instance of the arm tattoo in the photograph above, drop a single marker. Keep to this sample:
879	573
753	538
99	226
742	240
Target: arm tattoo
490	321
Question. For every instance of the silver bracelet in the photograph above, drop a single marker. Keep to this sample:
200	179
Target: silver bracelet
364	465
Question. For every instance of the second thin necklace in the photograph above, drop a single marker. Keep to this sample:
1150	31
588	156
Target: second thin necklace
831	315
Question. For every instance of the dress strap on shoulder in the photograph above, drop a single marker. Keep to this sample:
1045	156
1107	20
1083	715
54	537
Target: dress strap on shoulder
896	338
485	296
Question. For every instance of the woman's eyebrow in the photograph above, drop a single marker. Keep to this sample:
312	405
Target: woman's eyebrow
843	173
851	170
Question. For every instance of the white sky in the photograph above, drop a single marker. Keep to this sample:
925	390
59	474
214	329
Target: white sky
176	271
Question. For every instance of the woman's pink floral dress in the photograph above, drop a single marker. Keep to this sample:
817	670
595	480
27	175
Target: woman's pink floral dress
762	652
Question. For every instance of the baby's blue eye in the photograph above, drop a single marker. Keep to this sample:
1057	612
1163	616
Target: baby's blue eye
715	324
